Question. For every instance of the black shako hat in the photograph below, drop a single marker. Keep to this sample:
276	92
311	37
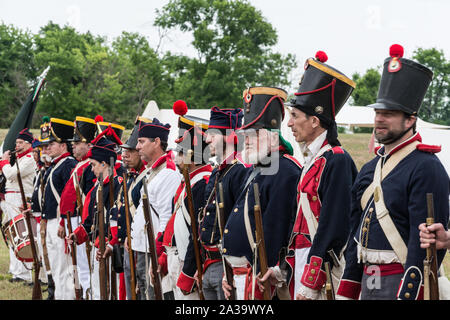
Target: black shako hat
403	83
263	107
84	130
323	90
191	133
58	130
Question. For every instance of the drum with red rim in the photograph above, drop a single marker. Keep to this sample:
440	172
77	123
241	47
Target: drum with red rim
18	235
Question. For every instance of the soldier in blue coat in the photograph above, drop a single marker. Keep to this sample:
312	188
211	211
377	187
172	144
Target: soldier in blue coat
321	227
384	260
276	174
229	172
134	165
99	155
55	136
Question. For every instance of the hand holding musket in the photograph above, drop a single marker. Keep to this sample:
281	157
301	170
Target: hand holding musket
260	241
37	294
151	241
430	267
329	290
130	251
228	270
101	236
73	253
187	185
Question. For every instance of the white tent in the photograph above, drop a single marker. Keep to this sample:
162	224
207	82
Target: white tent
349	116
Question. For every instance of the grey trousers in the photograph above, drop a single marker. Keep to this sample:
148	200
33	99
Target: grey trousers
212	282
127	273
142	276
380	288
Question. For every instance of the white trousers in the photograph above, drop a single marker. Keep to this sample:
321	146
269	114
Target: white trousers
60	263
174	267
82	260
301	257
95	279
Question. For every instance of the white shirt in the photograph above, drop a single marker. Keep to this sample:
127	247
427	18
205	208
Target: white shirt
311	150
161	190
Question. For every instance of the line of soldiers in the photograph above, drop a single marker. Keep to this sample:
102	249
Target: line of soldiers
259	224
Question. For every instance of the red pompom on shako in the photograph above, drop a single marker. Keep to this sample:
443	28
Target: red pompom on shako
396	50
98	118
180	107
321	56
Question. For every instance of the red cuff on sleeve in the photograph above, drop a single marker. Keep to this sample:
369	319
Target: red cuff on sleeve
185	282
159	245
114	237
61	222
313	276
349	289
162	261
81	234
3	163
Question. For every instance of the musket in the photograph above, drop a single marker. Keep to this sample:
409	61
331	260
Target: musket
259	232
329	290
73	253
101	236
430	265
228	270
151	242
130	251
37	294
198	262
113	280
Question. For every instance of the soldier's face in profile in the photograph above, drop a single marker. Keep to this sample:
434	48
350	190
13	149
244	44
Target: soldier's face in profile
98	167
146	148
257	145
55	149
22	145
131	158
301	125
390	124
214	139
80	149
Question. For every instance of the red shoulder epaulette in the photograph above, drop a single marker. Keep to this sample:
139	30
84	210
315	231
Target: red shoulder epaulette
288	156
337	150
428	148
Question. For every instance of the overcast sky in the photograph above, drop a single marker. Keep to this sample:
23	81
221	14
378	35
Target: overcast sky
356	34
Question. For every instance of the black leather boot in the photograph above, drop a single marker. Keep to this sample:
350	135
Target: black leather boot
51	288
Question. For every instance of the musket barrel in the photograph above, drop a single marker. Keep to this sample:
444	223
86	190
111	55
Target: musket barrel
198	262
152	244
260	241
228	270
101	236
130	251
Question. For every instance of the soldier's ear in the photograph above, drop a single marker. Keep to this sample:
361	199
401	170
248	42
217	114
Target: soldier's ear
315	122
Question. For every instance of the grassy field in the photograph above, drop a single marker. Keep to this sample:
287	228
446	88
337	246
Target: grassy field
355	144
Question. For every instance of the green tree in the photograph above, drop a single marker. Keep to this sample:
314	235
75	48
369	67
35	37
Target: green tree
17	71
436	105
140	73
79	82
234	50
366	90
